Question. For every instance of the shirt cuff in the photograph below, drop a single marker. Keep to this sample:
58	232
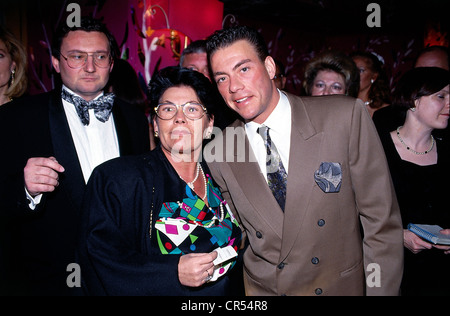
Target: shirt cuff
33	201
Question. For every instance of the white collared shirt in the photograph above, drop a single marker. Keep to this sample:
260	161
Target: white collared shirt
94	143
279	123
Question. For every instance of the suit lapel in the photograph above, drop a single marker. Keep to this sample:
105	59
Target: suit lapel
71	180
304	153
253	183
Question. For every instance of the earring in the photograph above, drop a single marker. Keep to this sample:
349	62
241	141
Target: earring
372	81
13	76
413	109
156	134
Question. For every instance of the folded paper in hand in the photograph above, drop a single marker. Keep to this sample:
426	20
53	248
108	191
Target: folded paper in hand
220	263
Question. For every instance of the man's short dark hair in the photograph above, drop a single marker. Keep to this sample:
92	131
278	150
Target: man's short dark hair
87	24
226	37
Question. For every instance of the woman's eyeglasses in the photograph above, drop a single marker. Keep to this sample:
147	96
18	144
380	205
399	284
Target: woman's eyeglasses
192	110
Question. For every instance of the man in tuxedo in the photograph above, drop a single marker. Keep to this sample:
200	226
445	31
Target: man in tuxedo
311	186
50	145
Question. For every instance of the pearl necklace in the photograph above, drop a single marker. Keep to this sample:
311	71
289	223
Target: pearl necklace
412	150
191	184
205	181
215	220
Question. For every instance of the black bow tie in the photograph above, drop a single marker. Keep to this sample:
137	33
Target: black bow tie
102	106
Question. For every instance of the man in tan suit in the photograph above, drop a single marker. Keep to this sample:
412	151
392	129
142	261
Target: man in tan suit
337	230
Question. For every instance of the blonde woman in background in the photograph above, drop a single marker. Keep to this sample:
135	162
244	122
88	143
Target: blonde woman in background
331	72
13	65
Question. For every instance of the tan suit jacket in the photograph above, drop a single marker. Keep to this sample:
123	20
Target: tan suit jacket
316	247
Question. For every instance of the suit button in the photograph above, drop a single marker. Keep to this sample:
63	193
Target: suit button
281	266
321	222
315	260
259	235
318	291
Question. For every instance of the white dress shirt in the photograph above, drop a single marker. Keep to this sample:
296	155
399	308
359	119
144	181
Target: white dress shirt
279	123
94	143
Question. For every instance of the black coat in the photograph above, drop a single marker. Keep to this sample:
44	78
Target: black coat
118	249
40	244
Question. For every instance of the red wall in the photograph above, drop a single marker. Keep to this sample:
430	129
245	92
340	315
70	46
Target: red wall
194	18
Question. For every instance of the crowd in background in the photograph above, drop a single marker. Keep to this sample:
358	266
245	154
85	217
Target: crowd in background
44	177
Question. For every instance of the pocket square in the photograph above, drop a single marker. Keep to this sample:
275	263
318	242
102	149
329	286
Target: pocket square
329	177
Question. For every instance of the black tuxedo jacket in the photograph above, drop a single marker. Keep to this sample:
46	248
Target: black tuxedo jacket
42	242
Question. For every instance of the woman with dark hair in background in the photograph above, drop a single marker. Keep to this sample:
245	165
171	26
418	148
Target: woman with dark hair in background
419	165
374	85
124	82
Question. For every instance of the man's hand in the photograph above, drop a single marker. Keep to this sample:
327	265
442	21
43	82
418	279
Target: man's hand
41	175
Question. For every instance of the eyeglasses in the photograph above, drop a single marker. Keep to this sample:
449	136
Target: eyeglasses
168	110
77	60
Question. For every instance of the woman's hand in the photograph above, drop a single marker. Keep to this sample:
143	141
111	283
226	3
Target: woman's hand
446	248
195	268
414	243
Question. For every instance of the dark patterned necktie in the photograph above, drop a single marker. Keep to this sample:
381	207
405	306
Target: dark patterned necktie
102	106
276	174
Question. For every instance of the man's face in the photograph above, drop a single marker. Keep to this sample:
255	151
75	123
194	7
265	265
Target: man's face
89	80
197	62
244	81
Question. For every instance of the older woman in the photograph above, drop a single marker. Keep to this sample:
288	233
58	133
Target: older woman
153	222
13	65
419	165
331	73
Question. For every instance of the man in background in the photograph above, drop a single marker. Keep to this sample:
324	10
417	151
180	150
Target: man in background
194	57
